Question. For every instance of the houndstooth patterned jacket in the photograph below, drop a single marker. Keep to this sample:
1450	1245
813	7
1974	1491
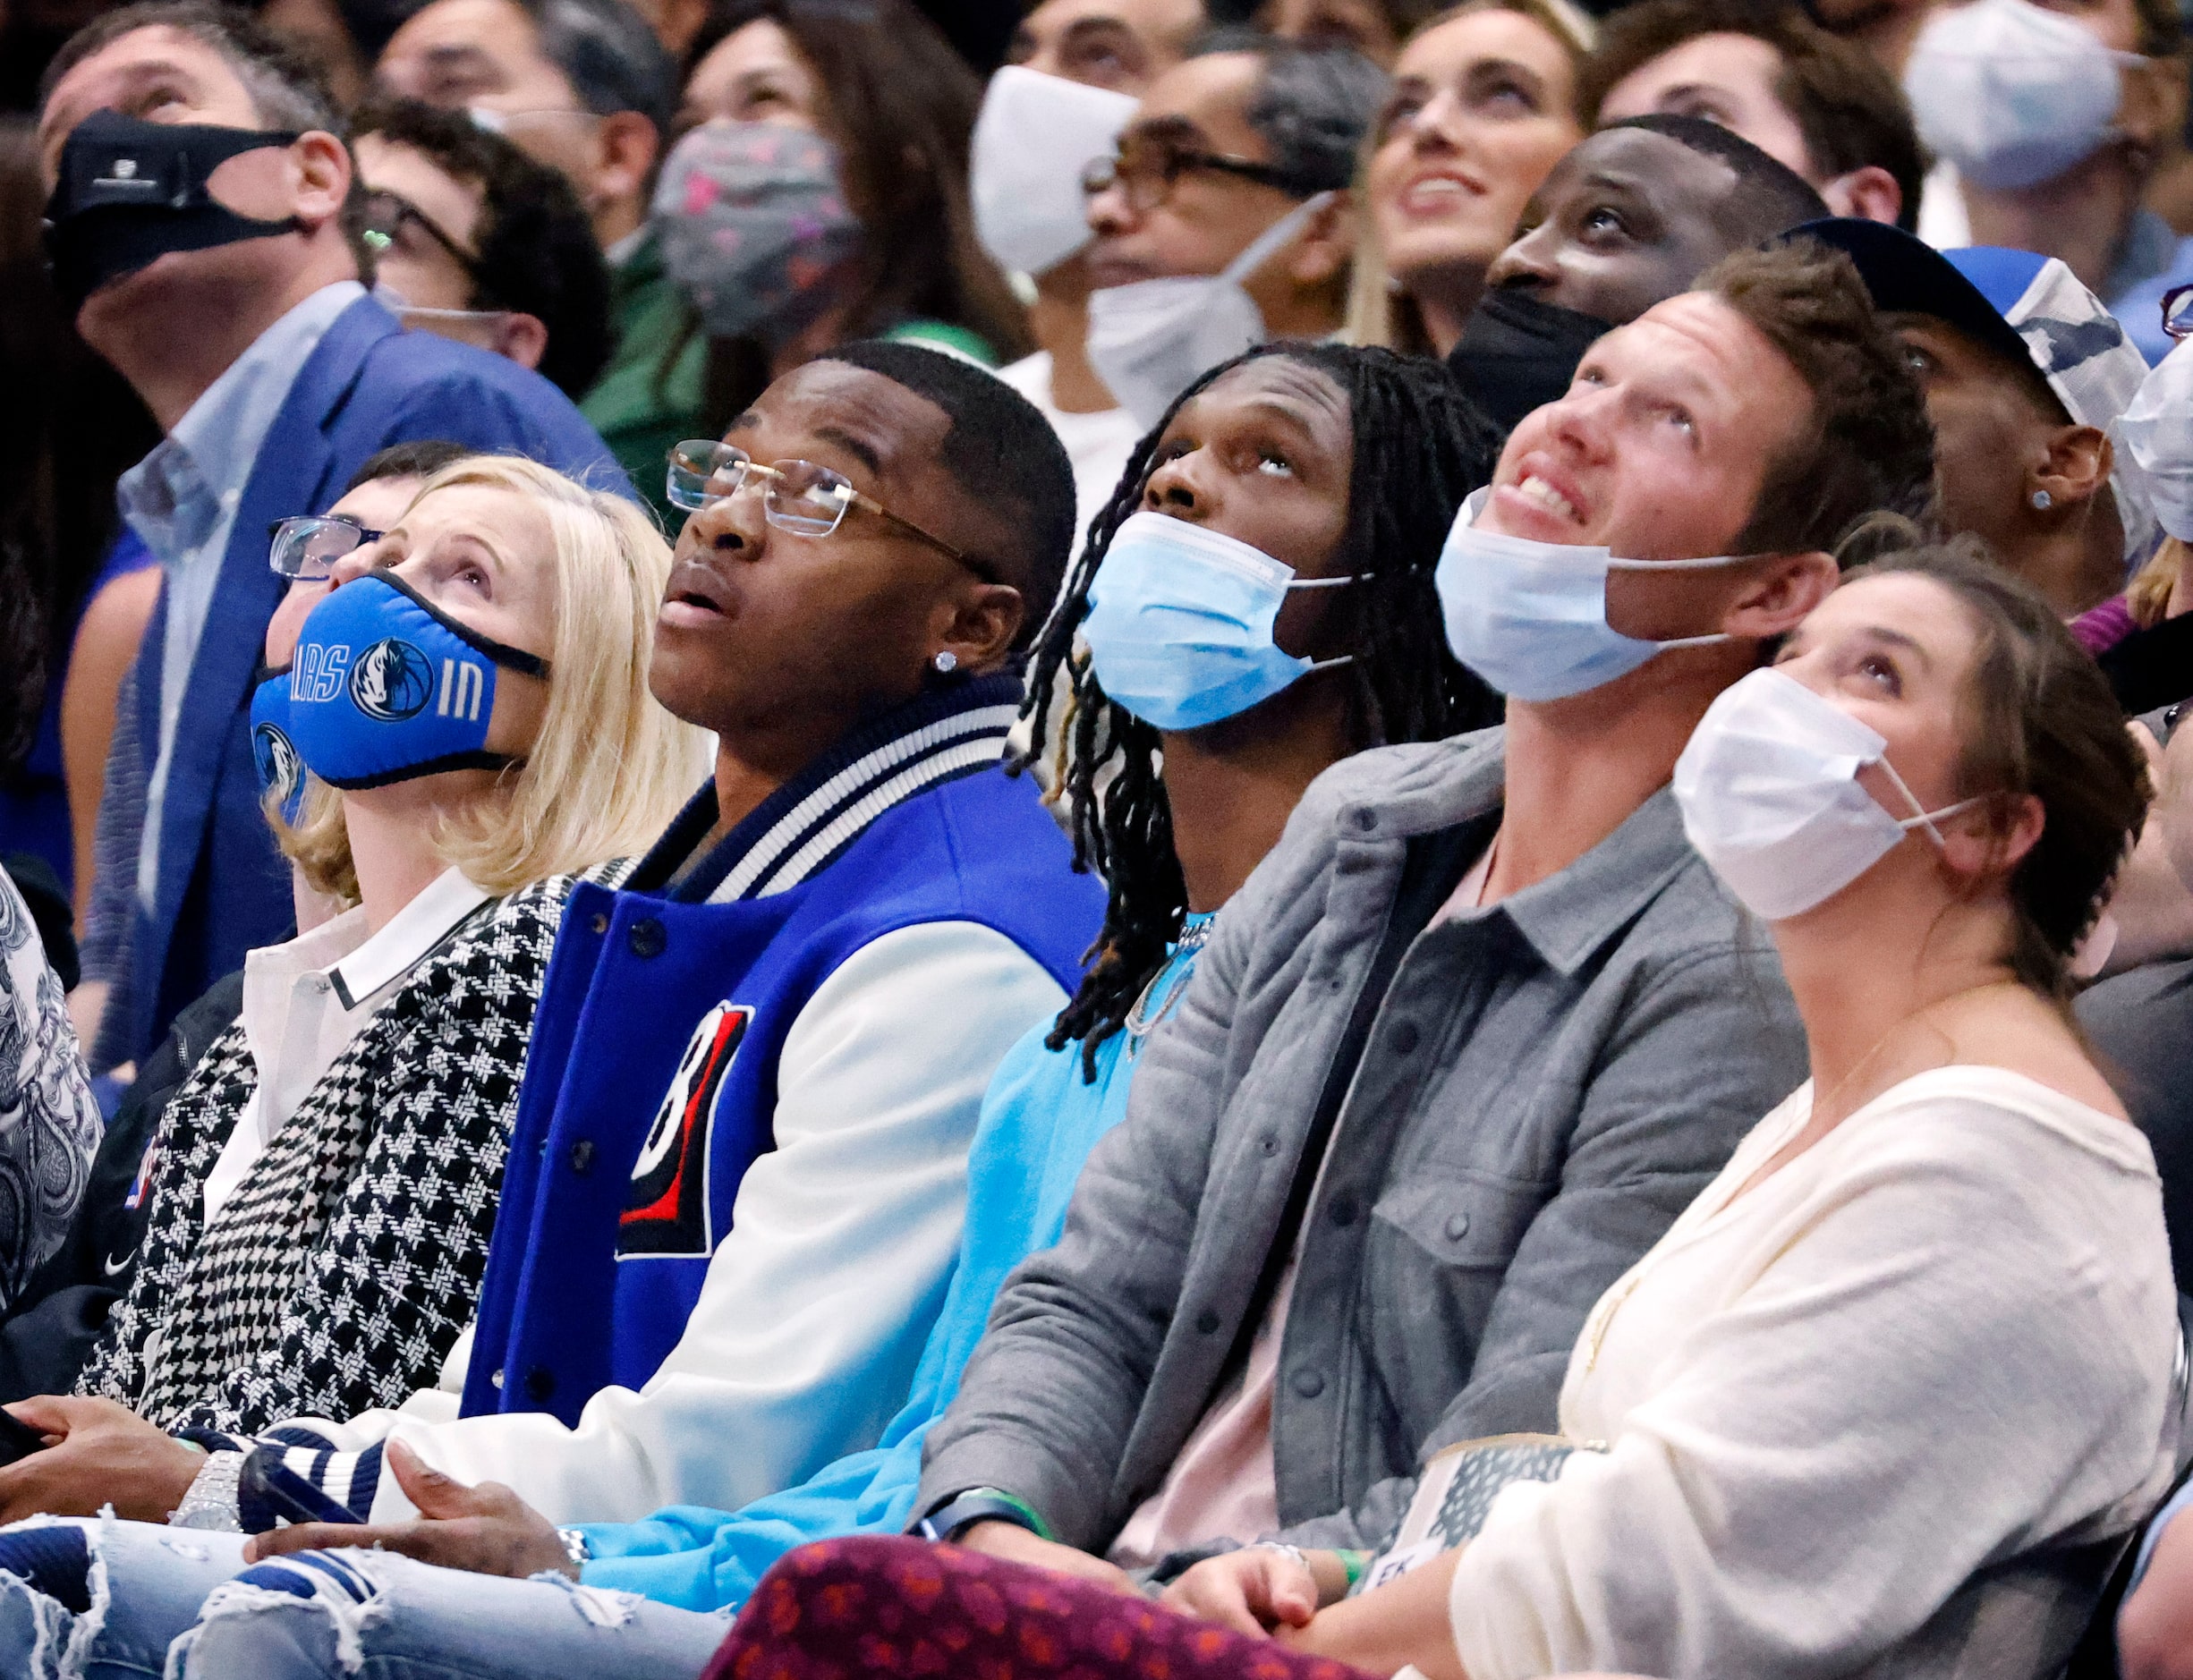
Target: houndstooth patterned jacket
344	1267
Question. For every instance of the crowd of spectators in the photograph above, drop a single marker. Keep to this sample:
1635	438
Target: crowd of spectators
1132	838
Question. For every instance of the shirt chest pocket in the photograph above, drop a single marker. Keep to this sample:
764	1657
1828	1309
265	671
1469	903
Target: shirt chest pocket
1466	1221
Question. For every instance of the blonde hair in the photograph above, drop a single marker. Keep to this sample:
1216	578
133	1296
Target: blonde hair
610	766
1377	312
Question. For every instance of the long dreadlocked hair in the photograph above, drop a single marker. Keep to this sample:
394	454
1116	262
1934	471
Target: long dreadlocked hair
1421	448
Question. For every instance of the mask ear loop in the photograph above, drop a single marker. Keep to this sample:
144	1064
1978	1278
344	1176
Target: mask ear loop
1328	583
1926	819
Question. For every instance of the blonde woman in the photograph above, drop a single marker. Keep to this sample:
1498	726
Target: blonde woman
1483	104
472	699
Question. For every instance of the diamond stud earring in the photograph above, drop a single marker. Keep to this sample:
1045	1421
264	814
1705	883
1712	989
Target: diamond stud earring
946	661
2043	501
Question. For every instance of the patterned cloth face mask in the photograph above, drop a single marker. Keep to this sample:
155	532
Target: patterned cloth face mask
753	226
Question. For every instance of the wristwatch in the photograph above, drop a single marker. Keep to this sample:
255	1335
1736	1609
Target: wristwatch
963	1511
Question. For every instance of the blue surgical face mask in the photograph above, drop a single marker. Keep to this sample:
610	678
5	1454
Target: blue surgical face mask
1180	619
1530	617
384	687
274	754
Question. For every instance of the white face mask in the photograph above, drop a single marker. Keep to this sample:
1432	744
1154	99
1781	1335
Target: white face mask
1769	792
2154	437
1035	135
471	327
2011	93
1151	340
1530	617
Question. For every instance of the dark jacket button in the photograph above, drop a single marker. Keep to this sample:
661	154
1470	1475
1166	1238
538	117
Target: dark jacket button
1457	1226
1207	1322
601	922
540	1384
1309	1384
1405	1038
1344	1212
583	1156
647	937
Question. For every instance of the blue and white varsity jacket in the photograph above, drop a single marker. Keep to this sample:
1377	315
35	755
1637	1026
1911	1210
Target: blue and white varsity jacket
739	1167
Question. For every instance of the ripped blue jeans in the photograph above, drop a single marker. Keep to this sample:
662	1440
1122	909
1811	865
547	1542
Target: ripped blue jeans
111	1600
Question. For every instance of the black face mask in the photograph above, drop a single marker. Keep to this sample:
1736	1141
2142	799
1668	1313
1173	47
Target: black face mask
1518	355
130	191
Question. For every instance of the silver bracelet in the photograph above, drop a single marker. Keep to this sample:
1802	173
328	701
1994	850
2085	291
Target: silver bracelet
1294	1552
211	1502
575	1547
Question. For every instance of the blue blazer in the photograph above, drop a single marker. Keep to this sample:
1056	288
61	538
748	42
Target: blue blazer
223	886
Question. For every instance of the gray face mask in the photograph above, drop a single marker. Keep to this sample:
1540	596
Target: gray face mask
753	226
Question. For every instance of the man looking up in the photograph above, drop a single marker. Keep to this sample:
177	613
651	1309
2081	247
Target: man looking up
1480	1026
2026	374
585	87
238	316
1234	173
1630	217
1820	105
1032	143
1639	210
481	242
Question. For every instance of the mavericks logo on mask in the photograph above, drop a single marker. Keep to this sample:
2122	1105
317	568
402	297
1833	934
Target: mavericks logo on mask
393	681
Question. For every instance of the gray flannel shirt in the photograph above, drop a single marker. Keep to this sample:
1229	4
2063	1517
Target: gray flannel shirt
1547	1083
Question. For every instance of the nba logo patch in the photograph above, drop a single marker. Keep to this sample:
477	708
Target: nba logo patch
666	1206
142	1184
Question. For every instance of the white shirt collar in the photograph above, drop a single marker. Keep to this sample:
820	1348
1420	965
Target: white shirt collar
406	938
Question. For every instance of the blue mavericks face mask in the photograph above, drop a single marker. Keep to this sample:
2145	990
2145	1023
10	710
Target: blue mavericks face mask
281	772
1530	617
384	687
1180	625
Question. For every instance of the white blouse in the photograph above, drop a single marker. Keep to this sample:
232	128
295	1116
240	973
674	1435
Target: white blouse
1939	1339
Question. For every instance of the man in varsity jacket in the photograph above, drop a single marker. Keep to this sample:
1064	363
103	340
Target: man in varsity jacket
735	1187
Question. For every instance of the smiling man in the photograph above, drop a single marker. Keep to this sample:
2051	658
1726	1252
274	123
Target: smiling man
738	1170
1480	1026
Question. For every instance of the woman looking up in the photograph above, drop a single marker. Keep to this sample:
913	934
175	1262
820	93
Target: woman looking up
472	701
819	192
1483	104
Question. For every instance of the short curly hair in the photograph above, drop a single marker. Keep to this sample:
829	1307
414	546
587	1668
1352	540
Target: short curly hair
1870	448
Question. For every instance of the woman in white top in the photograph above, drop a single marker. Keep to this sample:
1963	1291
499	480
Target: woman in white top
1890	1396
471	700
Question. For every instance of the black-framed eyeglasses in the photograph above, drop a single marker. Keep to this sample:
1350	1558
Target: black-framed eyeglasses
307	546
378	216
799	496
1147	168
2178	311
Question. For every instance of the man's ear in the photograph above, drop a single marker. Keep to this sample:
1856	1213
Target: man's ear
979	626
2078	466
1870	194
1777	599
522	338
1323	249
320	177
626	147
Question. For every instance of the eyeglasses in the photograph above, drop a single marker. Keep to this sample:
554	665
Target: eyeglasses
379	220
1146	168
796	496
2178	311
307	548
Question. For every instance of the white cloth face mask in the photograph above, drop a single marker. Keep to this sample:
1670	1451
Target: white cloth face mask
1530	617
2011	93
1034	136
2156	434
1151	339
1770	796
469	325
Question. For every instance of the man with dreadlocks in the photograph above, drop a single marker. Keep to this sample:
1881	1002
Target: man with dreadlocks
1479	1027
